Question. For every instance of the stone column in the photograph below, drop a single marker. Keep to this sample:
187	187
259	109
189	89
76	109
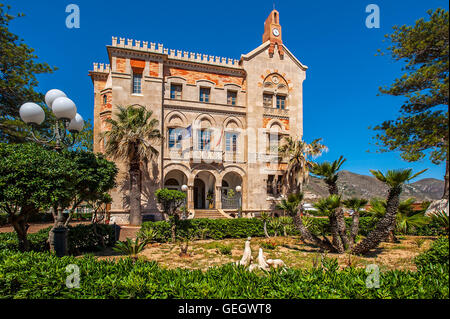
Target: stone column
190	197
218	197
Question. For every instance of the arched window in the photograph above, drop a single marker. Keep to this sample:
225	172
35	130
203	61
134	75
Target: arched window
105	99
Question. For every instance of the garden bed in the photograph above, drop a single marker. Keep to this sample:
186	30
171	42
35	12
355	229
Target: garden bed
206	253
42	275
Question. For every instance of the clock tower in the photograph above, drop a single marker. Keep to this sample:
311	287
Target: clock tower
272	33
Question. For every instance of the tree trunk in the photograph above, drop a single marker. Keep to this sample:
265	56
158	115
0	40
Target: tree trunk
21	228
100	237
384	226
392	238
336	238
173	231
446	178
342	228
307	236
265	230
135	197
337	224
354	229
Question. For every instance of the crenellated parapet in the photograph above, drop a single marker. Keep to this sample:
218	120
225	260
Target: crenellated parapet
101	68
173	54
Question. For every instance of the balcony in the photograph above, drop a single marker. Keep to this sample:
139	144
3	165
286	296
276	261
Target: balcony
206	156
233	157
271	158
177	154
275	111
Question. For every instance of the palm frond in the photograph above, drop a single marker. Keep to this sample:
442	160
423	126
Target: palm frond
133	135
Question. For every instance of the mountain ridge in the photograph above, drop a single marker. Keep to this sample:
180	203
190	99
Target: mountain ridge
364	186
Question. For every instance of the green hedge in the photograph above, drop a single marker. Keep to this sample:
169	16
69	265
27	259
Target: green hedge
210	228
81	238
42	275
437	254
237	228
254	227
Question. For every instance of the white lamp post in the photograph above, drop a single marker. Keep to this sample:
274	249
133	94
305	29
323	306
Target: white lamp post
65	112
239	190
185	188
67	119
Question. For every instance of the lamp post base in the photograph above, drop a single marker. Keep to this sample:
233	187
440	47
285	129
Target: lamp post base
58	241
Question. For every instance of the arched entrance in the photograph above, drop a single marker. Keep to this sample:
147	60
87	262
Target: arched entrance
204	190
175	179
230	198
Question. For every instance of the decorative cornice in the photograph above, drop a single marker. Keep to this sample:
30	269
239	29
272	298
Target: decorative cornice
270	111
204	67
132	53
205	110
276	116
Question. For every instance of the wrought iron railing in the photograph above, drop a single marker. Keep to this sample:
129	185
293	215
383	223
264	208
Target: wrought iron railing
230	203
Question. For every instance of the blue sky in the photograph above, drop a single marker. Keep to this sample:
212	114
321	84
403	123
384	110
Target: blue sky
330	37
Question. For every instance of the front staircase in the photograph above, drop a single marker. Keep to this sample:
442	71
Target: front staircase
208	213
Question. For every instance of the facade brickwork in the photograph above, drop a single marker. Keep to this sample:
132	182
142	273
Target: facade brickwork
227	111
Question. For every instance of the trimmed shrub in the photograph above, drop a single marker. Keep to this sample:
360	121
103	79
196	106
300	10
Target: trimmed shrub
81	238
42	275
38	241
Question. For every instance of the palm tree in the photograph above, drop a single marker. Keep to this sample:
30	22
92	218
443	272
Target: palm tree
408	219
293	206
329	207
356	205
298	154
328	172
265	218
131	139
441	218
394	179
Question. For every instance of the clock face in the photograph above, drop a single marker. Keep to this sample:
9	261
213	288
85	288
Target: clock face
275	32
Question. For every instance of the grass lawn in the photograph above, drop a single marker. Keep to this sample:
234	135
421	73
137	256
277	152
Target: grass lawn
205	253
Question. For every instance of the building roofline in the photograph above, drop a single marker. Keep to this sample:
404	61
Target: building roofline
171	54
263	46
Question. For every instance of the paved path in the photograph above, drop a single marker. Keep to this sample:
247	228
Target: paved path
128	232
35	227
125	231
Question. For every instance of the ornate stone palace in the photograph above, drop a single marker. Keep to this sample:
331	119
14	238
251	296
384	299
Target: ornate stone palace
222	120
